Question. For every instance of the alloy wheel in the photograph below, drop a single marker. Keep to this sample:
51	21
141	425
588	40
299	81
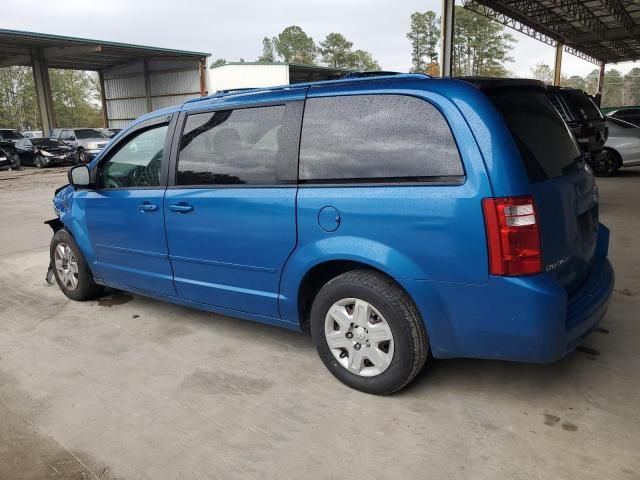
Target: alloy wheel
66	266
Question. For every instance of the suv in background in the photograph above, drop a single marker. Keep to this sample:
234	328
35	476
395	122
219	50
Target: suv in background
88	142
585	121
393	216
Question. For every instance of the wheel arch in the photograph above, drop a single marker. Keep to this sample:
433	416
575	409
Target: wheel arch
319	274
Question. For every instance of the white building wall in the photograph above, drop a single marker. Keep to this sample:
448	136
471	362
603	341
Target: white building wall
247	76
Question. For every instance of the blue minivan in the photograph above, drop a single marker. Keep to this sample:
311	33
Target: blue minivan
395	217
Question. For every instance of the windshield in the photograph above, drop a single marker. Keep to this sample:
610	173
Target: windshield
84	133
545	143
10	135
46	142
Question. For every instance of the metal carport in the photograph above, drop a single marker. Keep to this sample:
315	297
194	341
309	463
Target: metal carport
134	79
600	31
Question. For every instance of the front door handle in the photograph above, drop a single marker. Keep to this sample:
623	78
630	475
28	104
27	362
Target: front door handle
147	207
181	207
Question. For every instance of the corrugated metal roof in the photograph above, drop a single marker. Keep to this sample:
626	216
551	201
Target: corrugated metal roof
602	30
16	48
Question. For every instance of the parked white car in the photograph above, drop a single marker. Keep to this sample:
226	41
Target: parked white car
623	145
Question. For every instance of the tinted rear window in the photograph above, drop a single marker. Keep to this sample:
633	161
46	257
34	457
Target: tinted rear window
376	138
582	106
543	139
86	133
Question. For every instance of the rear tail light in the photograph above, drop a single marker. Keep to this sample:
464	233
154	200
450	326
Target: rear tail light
513	237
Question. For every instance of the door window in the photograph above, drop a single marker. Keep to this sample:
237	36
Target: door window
137	162
232	147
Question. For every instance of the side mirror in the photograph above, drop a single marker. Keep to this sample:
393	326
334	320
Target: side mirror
80	176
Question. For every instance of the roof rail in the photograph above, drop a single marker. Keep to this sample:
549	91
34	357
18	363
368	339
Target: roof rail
377	73
232	90
350	77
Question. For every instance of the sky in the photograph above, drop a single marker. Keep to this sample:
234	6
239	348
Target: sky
234	30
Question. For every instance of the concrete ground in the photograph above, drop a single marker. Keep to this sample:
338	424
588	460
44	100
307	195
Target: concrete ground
131	388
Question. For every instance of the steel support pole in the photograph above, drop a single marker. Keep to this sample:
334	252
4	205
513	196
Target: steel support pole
147	86
557	69
601	78
598	95
103	98
203	77
446	38
43	91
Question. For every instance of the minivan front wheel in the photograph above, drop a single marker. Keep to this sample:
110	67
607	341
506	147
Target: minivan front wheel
70	268
368	332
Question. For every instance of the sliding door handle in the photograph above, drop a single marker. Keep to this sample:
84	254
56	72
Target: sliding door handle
147	207
181	207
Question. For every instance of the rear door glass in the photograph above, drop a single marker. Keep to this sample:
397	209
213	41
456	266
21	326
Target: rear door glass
545	143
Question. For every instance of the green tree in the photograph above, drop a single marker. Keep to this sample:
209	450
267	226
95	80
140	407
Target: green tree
613	91
18	106
481	46
76	98
218	63
268	51
362	60
591	82
336	50
632	86
295	46
542	72
574	81
424	33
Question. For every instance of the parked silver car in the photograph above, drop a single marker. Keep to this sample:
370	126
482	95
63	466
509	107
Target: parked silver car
87	141
623	145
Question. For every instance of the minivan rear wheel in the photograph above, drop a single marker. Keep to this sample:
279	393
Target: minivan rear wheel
368	332
70	268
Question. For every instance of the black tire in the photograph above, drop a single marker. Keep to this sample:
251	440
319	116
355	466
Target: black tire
82	156
86	289
611	164
411	345
38	161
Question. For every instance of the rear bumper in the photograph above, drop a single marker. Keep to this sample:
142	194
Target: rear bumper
589	304
528	319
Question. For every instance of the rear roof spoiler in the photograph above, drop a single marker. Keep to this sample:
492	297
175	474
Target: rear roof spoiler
486	83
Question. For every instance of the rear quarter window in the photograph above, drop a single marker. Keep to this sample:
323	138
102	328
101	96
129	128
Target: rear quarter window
373	138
